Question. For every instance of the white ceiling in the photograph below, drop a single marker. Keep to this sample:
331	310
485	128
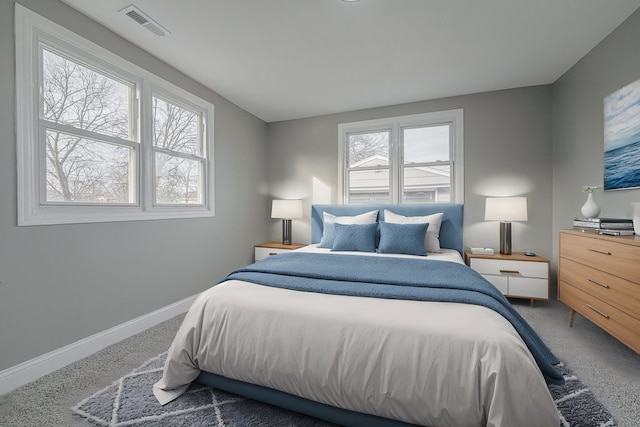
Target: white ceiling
287	59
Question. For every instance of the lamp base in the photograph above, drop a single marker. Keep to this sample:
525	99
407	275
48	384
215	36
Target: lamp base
505	238
286	231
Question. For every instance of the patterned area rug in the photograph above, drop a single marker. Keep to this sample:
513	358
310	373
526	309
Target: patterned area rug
130	402
576	403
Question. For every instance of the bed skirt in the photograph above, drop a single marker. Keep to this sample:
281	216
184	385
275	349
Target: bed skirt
298	404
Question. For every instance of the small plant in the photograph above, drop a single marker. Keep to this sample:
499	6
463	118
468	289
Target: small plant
591	188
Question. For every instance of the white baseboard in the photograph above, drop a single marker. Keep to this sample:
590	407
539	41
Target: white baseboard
31	370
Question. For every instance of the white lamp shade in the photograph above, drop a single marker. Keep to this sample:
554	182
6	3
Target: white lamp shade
506	209
286	209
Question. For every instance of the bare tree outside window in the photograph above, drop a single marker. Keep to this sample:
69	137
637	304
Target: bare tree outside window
363	146
178	157
90	169
368	170
79	168
102	139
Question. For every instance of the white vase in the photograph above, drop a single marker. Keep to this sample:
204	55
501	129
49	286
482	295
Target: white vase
590	209
636	217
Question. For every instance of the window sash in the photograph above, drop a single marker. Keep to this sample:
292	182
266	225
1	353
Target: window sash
199	146
86	60
349	135
199	186
426	126
200	150
132	171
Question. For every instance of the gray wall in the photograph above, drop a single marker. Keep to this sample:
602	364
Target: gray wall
544	142
507	151
578	129
61	283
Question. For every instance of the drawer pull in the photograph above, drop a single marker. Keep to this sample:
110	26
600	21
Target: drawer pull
509	271
599	284
273	253
599	251
606	316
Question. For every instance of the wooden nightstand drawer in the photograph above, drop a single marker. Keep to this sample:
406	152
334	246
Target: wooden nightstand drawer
520	268
267	249
262	253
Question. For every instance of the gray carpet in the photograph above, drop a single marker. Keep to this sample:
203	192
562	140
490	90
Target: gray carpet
130	402
610	369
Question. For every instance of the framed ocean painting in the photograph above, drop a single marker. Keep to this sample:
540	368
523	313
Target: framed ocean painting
622	138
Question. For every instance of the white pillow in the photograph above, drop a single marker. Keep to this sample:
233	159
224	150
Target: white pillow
365	218
432	238
329	232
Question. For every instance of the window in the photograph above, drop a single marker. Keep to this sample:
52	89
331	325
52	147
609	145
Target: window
409	159
100	139
177	145
90	141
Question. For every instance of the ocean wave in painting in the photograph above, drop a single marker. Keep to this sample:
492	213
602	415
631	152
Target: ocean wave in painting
622	167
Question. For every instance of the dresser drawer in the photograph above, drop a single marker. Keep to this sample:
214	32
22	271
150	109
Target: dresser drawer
620	325
617	258
520	268
613	290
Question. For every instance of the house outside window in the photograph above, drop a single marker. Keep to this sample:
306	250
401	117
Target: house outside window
402	160
100	139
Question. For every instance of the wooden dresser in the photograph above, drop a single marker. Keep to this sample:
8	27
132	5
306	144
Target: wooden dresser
599	277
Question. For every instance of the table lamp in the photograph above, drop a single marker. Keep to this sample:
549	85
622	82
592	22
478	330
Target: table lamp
286	210
505	210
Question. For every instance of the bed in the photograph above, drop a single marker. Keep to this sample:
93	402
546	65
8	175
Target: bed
366	338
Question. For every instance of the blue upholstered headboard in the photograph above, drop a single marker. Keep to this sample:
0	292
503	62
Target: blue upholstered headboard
450	230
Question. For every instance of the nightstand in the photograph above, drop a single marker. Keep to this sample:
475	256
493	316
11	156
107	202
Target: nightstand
515	275
264	250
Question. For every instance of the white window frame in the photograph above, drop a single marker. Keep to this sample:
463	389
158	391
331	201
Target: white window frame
32	29
395	125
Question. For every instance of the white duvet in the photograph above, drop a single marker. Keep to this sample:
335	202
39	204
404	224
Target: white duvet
427	363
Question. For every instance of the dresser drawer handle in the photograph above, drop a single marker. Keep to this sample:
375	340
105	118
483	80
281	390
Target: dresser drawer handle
606	316
599	284
509	271
273	253
600	252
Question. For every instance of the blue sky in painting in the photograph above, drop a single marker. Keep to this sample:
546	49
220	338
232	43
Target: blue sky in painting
622	117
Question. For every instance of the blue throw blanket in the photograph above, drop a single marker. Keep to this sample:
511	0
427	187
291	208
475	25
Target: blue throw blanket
395	278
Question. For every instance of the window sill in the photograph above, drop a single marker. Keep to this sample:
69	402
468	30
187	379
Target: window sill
49	215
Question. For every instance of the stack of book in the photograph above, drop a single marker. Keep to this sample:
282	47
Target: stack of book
610	226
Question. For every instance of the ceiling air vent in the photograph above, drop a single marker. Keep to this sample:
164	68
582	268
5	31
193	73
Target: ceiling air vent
143	19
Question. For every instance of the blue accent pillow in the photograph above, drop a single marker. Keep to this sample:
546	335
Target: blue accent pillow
403	238
328	232
355	237
328	220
